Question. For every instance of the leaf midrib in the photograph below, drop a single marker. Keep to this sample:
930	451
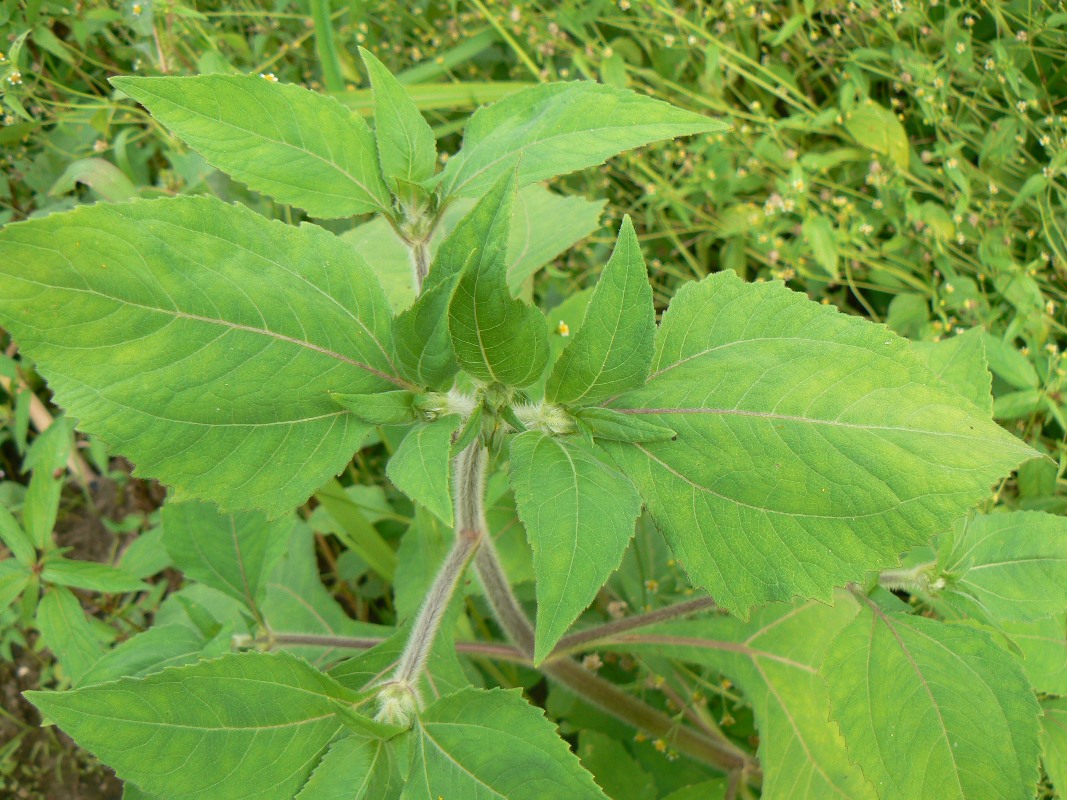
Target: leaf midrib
796	418
177	314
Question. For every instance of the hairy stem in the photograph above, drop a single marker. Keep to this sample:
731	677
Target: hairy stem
420	262
918	579
505	606
716	751
469	469
499	652
583	639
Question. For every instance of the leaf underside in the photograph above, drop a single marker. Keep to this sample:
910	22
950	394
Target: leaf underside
932	710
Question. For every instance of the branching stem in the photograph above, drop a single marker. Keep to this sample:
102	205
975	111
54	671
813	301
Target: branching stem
469	469
716	751
581	640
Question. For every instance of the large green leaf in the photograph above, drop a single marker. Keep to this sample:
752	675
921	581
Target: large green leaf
614	769
65	630
251	725
1054	741
233	553
421	466
1043	645
201	340
161	646
1010	566
355	768
495	337
613	350
961	362
407	148
775	658
812	446
297	146
933	710
558	128
579	514
492	744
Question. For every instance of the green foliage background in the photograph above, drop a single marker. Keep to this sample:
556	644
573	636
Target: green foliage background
901	160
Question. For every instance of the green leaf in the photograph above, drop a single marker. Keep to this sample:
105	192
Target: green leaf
1008	363
960	361
201	341
604	423
614	769
488	744
380	408
355	768
145	555
100	175
234	553
774	658
1017	405
241	726
423	344
443	674
579	514
420	467
65	630
468	432
90	575
812	446
16	539
544	225
878	129
131	791
155	649
46	459
353	526
902	685
1054	741
820	236
1009	566
407	148
706	790
297	602
423	341
14	578
613	350
557	128
1043	644
496	338
285	141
